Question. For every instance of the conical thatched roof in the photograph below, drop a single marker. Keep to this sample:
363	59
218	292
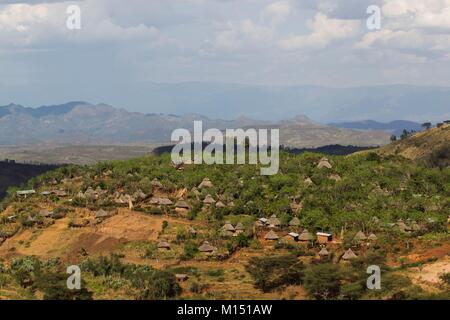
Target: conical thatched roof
165	201
308	181
324	252
154	200
372	237
239	227
220	204
206	183
45	213
101	214
206	247
273	221
324	163
192	230
296	207
306	236
271	235
182	204
228	227
163	245
359	236
375	219
335	177
155	183
402	226
209	199
231	204
295	222
139	195
349	255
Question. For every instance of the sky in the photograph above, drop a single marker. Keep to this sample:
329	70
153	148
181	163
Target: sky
125	43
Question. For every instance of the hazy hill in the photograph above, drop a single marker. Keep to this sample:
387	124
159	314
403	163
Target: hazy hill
84	123
394	127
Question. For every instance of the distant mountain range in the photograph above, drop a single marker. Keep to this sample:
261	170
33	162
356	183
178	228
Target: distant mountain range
229	100
84	123
394	127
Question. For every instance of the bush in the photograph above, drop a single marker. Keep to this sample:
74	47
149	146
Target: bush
54	287
322	281
445	278
190	250
272	272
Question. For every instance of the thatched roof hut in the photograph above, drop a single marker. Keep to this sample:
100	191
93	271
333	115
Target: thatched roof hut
295	222
165	201
324	163
45	213
308	181
206	183
273	221
324	252
206	247
154	200
181	204
271	235
101	214
372	237
181	277
192	230
239	227
156	184
228	227
359	236
306	236
402	226
335	177
296	207
163	244
349	255
220	204
209	199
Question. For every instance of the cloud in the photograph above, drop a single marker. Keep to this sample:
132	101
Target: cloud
419	27
250	33
27	25
324	31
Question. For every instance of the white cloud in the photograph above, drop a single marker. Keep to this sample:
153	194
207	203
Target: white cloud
324	32
25	25
277	12
420	27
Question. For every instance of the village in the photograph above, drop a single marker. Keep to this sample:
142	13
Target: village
171	224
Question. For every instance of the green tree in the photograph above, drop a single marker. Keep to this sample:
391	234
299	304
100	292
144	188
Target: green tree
271	272
323	281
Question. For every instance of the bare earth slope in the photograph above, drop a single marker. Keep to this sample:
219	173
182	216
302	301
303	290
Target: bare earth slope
421	145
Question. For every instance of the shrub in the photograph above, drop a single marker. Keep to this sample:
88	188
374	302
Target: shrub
322	281
190	250
271	272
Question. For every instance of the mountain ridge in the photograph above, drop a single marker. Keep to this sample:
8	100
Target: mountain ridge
79	122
